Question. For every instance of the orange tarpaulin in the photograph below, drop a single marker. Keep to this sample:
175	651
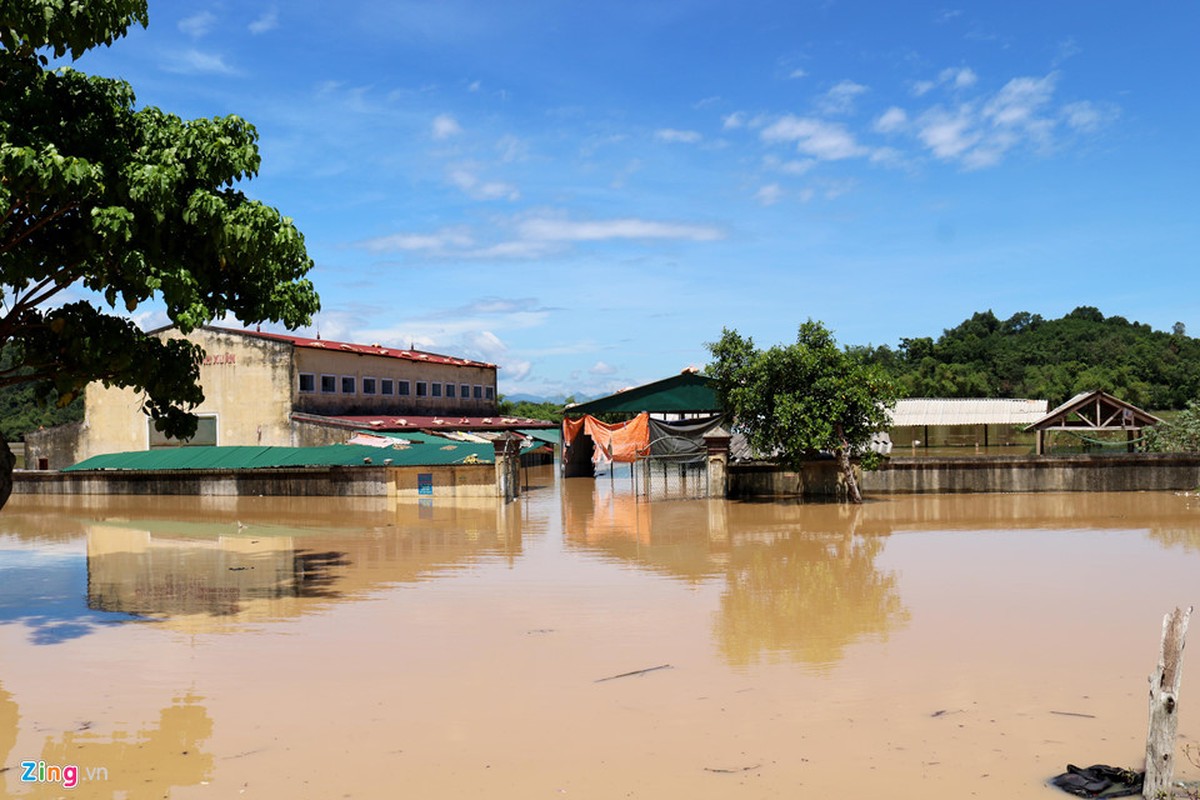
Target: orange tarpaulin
622	441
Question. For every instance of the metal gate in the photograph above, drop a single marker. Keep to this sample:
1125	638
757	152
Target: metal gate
675	476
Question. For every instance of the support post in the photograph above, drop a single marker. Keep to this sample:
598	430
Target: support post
1164	702
507	449
716	443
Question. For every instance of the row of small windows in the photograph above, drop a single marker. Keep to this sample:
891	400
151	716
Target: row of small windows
347	384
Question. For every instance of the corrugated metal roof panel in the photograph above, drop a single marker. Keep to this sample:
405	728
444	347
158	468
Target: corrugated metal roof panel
408	455
361	349
918	411
448	422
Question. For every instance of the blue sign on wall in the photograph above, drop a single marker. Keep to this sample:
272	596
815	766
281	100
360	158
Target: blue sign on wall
424	483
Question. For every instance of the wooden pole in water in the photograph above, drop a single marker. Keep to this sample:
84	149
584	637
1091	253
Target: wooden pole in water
1164	701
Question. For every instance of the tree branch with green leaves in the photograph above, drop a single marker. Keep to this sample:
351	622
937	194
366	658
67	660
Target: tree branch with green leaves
797	401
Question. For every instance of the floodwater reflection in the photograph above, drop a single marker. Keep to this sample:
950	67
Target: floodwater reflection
144	764
925	646
800	583
10	718
219	566
806	597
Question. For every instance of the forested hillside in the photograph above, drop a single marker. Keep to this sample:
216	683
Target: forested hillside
19	410
1028	356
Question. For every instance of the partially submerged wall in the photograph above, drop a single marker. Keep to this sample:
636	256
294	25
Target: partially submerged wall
815	479
53	448
1075	473
458	480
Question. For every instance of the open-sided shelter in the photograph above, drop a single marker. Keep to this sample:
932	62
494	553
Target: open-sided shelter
1094	412
962	420
688	394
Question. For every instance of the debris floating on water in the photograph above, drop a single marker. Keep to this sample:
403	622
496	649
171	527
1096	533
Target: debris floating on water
632	674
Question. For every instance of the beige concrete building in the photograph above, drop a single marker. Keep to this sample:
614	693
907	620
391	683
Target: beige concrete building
274	389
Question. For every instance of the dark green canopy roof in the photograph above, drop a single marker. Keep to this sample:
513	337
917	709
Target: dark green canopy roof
687	392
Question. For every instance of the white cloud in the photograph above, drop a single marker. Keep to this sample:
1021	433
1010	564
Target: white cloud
475	86
511	149
947	134
195	62
602	368
791	167
548	229
471	185
1086	117
824	140
733	121
1019	100
631	168
922	88
796	74
706	102
268	21
677	136
198	25
445	126
887	156
891	120
981	131
961	77
769	195
441	241
840	99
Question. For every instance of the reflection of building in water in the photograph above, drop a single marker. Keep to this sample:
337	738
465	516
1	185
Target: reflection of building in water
800	582
134	572
197	578
146	764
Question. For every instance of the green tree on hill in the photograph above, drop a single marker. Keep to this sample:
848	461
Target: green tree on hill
133	204
1029	356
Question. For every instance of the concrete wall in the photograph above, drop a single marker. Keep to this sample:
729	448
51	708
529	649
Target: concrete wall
1076	473
58	445
338	363
247	386
296	482
306	433
816	479
459	480
456	480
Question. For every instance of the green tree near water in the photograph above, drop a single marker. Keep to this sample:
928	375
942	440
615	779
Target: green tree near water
133	205
804	398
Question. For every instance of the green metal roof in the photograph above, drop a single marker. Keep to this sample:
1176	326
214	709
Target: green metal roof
687	392
547	435
417	455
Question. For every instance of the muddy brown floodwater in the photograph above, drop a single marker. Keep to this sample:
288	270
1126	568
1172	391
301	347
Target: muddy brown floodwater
924	647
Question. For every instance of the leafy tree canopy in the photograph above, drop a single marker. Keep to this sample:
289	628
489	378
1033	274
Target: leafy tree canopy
799	399
529	409
1028	356
131	203
1179	435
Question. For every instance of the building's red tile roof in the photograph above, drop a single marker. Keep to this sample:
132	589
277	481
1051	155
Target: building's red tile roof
361	349
445	422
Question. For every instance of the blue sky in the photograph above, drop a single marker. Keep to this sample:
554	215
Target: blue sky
586	193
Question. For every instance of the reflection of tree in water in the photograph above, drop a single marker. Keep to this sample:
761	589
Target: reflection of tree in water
146	764
1186	538
805	597
8	728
